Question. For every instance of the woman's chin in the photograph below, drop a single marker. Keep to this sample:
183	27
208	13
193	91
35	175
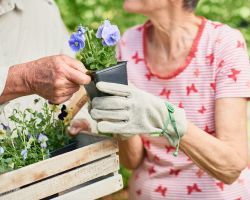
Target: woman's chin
133	6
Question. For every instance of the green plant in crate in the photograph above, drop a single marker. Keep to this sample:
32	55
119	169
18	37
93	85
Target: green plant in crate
35	134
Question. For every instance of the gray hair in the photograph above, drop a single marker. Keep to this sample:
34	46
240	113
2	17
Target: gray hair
190	4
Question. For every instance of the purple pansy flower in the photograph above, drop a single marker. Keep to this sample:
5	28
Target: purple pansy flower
80	31
76	42
63	113
24	154
42	138
109	33
28	134
5	127
100	29
43	145
1	151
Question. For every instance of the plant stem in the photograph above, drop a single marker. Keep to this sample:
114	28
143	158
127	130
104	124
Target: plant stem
88	39
43	154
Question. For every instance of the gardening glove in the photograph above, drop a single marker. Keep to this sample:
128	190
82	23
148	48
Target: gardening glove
132	111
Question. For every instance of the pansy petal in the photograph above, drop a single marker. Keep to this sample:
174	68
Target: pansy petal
24	154
106	31
1	151
81	30
76	43
99	32
111	35
106	22
104	43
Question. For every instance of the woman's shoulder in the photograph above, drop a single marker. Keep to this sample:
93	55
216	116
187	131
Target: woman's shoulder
223	31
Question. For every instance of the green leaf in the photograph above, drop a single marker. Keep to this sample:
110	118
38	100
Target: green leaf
14	135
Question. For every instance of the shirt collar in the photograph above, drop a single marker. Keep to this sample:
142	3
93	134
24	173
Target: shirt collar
10	5
19	4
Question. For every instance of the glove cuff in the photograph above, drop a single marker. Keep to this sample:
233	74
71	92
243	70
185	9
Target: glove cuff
175	125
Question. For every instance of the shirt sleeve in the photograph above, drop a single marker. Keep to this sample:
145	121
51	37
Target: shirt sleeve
3	77
233	68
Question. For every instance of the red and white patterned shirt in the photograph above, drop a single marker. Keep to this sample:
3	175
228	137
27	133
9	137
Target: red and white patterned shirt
217	67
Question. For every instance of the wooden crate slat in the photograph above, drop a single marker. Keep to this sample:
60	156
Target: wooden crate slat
43	169
67	180
95	190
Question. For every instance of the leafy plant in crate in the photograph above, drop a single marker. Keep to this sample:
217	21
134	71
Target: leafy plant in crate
35	136
96	50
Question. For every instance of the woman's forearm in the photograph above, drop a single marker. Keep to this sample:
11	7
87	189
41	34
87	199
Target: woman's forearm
214	156
131	152
15	85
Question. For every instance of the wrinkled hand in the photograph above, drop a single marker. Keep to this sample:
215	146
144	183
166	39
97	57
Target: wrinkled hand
132	111
55	78
79	125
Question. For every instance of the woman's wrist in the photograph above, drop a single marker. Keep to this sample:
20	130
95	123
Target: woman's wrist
175	125
16	83
131	152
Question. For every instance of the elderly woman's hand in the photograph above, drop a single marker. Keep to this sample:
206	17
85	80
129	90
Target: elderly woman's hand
55	78
132	111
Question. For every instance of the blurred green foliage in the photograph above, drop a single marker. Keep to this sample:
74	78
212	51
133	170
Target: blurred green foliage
235	13
125	175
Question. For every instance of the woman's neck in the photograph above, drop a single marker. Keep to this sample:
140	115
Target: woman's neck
171	36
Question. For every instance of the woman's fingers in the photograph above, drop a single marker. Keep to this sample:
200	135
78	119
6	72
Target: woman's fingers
76	76
79	125
76	64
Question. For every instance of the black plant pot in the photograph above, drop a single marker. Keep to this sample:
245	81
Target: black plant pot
69	147
114	74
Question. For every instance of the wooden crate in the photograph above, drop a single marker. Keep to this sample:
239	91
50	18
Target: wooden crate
89	172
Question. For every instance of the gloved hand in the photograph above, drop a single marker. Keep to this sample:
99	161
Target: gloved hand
132	111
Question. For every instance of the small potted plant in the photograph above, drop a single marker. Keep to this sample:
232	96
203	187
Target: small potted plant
96	50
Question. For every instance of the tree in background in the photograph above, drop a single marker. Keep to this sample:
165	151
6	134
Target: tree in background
91	12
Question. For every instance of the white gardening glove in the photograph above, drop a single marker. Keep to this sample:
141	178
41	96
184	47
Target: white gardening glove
133	111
